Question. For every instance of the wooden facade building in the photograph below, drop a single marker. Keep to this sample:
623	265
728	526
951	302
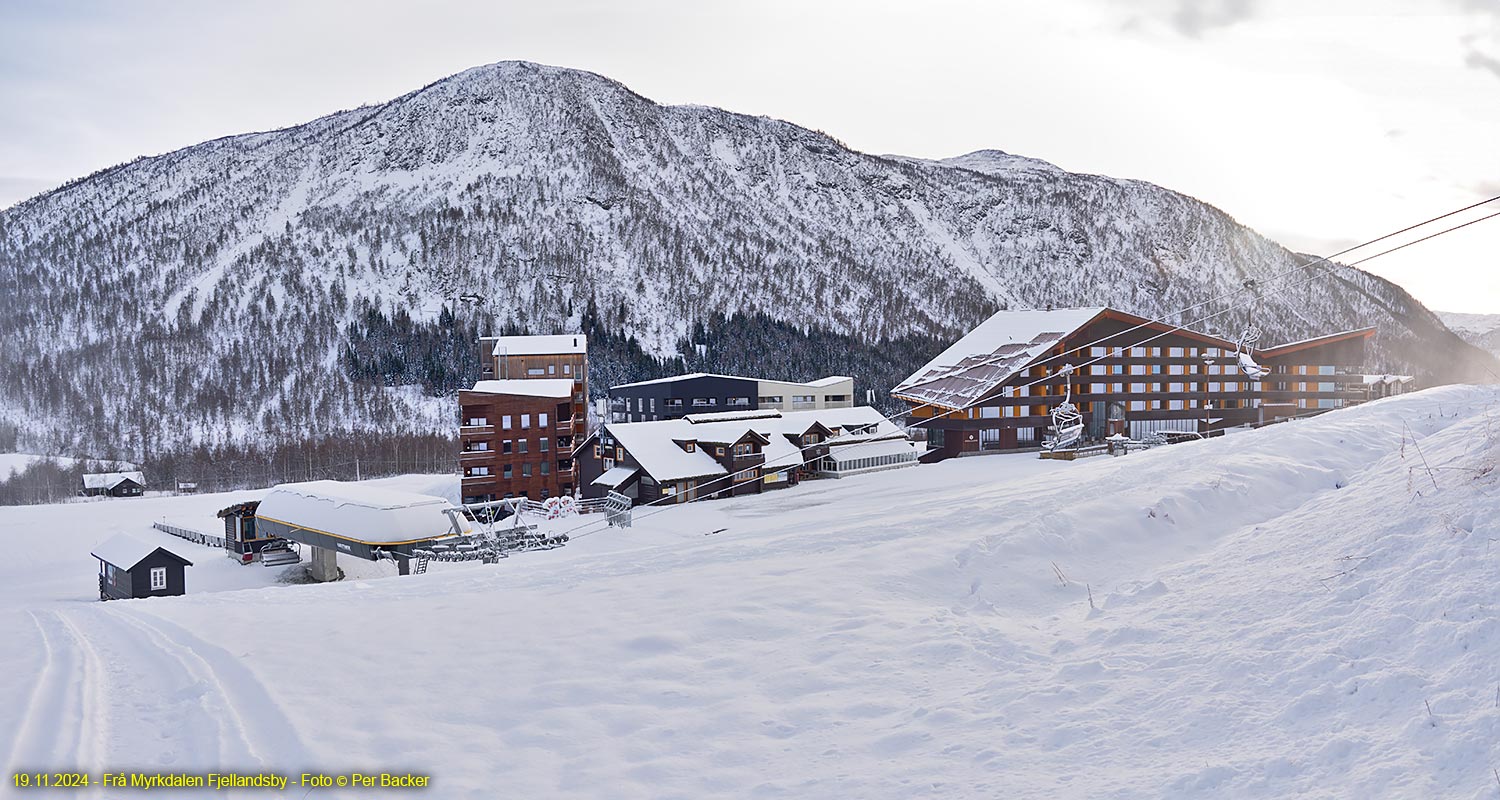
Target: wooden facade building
995	388
129	568
728	454
519	425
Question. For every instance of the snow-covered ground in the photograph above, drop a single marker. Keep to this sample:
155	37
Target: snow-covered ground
1265	615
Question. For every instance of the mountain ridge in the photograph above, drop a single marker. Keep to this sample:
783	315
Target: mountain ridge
548	192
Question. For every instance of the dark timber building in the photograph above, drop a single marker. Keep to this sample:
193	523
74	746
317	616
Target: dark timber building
129	567
975	397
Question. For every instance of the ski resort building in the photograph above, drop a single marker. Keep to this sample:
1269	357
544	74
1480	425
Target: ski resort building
114	484
129	567
702	392
516	439
993	390
737	452
517	426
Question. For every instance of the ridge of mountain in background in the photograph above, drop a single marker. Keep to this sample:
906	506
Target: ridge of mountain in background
306	283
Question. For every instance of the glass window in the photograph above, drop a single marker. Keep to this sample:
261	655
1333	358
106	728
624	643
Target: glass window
567	369
526	470
544	444
505	422
525	421
507	472
541	420
158	578
545	467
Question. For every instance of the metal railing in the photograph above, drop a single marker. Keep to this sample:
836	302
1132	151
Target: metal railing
197	537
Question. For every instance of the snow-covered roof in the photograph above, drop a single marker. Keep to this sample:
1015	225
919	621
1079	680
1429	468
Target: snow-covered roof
990	354
688	376
536	387
1389	379
547	345
874	449
820	383
358	512
125	551
829	381
654	444
614	476
723	416
109	480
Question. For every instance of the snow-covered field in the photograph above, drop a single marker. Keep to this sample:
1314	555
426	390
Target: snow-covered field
1264	615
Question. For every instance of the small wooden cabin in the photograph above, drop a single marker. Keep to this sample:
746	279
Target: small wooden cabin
114	484
129	567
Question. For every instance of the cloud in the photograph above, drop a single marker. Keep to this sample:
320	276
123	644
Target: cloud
1489	188
1191	18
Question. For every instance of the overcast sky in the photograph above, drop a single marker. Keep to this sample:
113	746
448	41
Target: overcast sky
1320	128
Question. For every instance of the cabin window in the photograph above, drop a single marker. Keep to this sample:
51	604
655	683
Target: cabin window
551	369
567	369
536	371
741	450
718	451
158	578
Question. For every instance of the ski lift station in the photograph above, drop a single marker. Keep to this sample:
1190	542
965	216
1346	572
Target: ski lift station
333	517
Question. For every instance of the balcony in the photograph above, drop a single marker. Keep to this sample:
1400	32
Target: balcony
564	427
565	468
475	427
471	456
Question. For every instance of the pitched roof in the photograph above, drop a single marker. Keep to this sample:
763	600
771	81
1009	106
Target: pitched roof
654	444
535	387
1010	341
990	354
1316	341
674	378
125	551
547	345
109	480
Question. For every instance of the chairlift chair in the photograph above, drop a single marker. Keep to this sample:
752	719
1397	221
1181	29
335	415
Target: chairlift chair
1244	347
1067	422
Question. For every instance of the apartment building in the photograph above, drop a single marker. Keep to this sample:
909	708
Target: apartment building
703	393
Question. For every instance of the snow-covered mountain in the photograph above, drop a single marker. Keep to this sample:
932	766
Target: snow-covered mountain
1480	330
204	295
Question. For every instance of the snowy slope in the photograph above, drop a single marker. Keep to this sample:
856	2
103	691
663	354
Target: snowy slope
218	280
1480	330
1271	615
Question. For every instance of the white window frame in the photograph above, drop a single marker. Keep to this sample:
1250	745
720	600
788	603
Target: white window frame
158	578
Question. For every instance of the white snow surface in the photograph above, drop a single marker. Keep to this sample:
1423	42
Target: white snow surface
533	387
995	350
355	511
1271	614
124	550
109	480
541	345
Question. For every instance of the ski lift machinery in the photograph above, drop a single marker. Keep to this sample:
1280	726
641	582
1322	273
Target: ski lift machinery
1244	347
1067	423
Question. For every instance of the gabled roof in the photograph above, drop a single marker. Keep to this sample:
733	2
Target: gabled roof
654	444
109	480
535	387
125	551
1317	341
990	354
548	345
1011	341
